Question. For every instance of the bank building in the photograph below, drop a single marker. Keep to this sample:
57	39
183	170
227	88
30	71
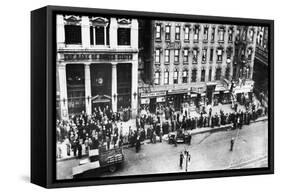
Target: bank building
97	64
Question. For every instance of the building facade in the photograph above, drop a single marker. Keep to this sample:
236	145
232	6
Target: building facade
97	64
194	63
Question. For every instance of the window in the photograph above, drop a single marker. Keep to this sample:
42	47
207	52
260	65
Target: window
168	32
186	33
158	32
203	75
73	34
211	54
221	35
177	34
185	76
218	73
167	56
124	36
238	34
228	53
166	77
205	34
219	55
157	78
176	59
157	56
210	75
185	55
227	72
230	34
195	56
250	51
213	34
251	34
194	75
244	35
100	35
196	33
176	74
204	55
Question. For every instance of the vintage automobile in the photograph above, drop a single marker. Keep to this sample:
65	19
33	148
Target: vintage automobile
98	159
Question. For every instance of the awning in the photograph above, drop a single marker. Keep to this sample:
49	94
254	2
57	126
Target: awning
101	99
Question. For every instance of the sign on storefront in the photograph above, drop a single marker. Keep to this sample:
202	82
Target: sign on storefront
145	101
98	57
153	94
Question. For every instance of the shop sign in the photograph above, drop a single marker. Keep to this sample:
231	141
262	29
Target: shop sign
98	57
173	45
160	99
153	94
145	101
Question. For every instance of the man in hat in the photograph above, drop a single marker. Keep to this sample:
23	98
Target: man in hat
231	143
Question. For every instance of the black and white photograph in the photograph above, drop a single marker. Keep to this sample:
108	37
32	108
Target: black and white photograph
138	96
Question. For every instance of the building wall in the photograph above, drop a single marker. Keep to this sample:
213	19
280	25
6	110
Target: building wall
162	44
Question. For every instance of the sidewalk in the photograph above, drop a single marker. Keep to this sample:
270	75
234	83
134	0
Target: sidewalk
165	137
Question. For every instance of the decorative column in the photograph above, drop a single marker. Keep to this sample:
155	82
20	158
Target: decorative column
85	31
134	34
88	93
113	33
63	91
134	96
114	87
60	31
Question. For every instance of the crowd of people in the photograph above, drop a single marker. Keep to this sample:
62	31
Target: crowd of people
105	128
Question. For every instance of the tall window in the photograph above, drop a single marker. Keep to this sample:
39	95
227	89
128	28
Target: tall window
186	33
157	78
185	55
194	75
124	36
157	56
204	55
227	72
158	32
203	72
211	54
244	35
251	35
73	34
205	34
167	56
177	34
176	76
100	35
213	34
219	55
210	74
230	34
238	31
166	77
168	32
218	73
249	53
185	76
221	34
228	53
195	56
176	59
196	33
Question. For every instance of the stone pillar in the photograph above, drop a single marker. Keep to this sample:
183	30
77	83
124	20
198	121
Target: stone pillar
85	32
60	32
134	96
88	93
113	33
114	87
134	34
63	91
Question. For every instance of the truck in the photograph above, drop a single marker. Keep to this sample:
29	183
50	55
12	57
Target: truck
101	158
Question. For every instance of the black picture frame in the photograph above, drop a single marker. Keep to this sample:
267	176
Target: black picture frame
43	93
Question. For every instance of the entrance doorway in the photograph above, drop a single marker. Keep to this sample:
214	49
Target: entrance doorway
124	85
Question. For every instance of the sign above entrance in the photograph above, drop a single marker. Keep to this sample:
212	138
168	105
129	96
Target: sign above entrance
98	57
153	94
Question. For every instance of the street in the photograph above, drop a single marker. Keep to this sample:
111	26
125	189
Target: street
209	151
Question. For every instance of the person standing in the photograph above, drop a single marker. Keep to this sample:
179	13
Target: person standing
181	159
231	144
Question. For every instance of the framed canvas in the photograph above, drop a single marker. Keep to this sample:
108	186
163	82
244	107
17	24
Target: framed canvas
126	96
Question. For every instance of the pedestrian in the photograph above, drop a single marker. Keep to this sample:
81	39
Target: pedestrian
231	144
181	159
79	147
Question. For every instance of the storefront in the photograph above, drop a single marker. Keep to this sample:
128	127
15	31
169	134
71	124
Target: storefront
153	100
